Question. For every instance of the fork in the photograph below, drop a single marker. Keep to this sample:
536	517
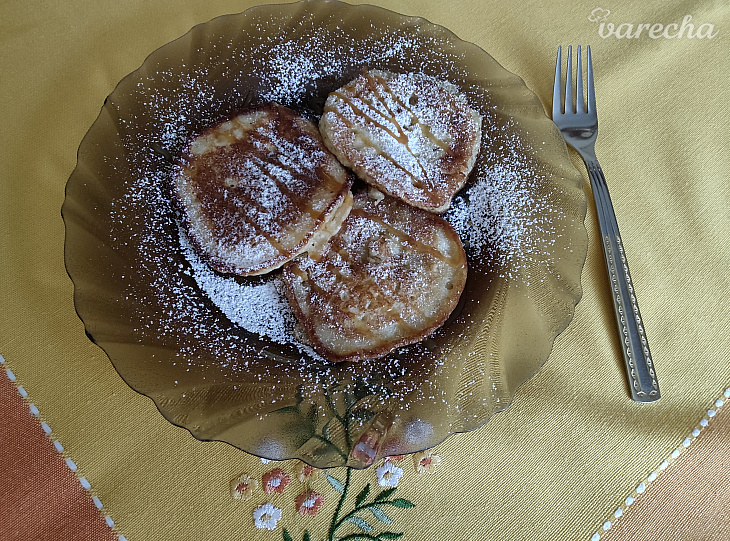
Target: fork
579	127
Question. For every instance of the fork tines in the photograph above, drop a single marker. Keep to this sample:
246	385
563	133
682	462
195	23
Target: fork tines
580	105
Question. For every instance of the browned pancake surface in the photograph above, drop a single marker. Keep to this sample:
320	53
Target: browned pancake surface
255	190
410	135
390	277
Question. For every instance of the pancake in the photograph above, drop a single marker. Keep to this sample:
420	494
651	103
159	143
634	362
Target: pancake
259	189
390	276
410	135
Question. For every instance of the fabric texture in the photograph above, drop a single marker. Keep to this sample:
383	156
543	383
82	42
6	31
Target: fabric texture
691	500
41	498
563	457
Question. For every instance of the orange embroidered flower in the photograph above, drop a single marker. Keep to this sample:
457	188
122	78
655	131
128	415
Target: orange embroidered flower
395	458
305	472
242	487
426	461
309	502
275	481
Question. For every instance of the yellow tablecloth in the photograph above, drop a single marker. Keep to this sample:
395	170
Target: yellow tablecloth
566	459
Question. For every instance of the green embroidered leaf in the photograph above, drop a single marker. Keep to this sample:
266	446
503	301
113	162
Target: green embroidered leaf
336	483
390	535
363	495
287	537
380	515
385	494
360	523
306	536
402	503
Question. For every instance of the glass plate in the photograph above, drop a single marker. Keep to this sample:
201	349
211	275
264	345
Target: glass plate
171	330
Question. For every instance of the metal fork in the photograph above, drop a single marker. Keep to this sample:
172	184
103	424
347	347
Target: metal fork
579	127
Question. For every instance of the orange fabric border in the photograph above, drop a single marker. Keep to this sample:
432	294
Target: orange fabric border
41	498
690	501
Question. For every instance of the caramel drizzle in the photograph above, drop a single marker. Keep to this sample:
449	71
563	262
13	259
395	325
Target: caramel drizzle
274	243
261	210
402	138
414	243
328	295
292	196
331	184
257	230
402	323
425	128
374	83
416	181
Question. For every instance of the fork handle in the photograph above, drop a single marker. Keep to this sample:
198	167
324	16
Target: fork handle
635	347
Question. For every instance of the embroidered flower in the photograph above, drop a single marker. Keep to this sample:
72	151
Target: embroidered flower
426	461
395	458
305	472
389	474
266	516
242	487
309	502
275	481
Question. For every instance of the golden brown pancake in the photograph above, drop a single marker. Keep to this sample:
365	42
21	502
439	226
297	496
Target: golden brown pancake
410	135
390	276
258	189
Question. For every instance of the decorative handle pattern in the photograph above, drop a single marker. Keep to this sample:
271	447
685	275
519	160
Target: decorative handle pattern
635	347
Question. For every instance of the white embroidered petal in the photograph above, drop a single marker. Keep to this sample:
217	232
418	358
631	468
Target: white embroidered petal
266	516
389	474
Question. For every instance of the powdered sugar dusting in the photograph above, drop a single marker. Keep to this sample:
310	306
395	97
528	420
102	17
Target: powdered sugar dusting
259	308
499	216
493	215
409	133
242	330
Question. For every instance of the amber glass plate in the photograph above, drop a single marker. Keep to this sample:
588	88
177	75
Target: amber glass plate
173	330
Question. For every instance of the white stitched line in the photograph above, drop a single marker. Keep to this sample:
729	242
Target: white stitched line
641	488
57	445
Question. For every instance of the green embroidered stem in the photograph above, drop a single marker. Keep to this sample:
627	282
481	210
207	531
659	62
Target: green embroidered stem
328	442
335	524
381	500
